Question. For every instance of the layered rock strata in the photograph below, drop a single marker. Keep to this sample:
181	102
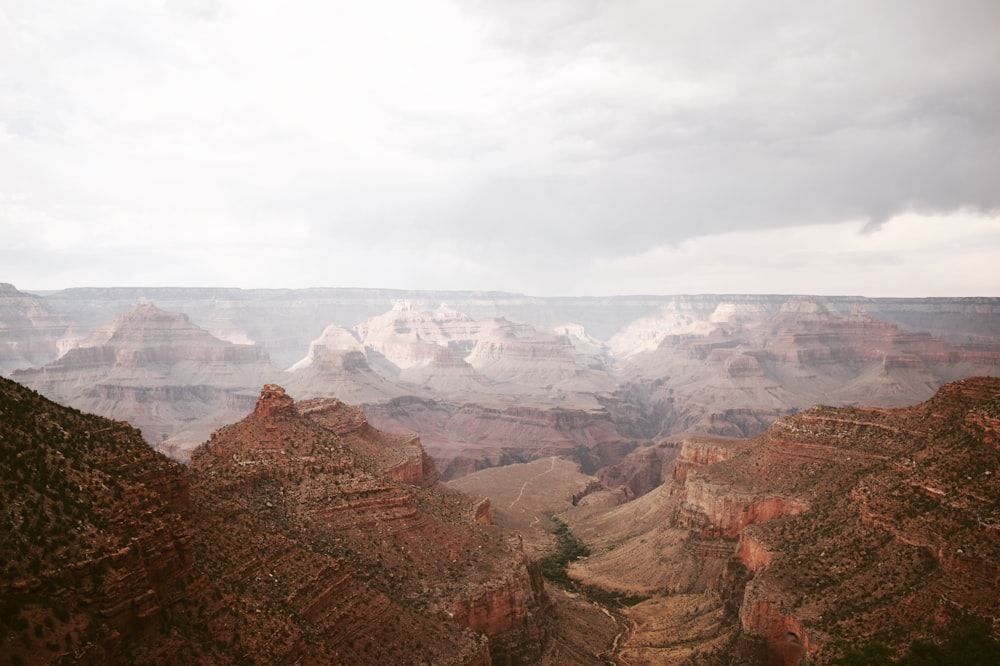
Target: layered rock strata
835	527
299	535
158	371
463	438
30	332
319	474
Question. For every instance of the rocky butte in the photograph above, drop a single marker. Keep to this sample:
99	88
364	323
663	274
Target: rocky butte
298	535
834	528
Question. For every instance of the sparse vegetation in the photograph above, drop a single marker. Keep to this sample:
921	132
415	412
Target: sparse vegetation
568	549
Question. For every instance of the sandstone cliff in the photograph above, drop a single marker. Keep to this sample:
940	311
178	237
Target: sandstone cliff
412	551
661	366
734	371
463	438
900	534
94	546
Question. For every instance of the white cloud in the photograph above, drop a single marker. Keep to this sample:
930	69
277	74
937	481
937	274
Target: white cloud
516	141
911	255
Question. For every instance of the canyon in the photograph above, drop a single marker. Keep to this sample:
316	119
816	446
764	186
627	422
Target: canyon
299	534
834	528
757	479
488	378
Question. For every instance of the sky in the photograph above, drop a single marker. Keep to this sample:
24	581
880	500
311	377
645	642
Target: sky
547	147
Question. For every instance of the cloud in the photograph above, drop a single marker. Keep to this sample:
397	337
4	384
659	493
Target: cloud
910	255
575	131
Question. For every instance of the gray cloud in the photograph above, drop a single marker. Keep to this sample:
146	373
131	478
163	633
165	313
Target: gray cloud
795	115
592	130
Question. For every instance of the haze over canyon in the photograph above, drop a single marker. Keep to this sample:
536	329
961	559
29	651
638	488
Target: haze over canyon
736	466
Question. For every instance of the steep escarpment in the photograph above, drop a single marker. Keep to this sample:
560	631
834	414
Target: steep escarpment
94	548
666	366
901	531
735	371
643	469
300	534
891	531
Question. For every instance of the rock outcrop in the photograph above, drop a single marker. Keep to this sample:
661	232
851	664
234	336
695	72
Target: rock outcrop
702	451
643	469
834	527
298	535
463	438
422	566
94	547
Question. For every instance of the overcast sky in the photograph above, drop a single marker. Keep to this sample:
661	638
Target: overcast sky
550	147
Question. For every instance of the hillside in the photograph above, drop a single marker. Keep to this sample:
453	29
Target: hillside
836	527
299	534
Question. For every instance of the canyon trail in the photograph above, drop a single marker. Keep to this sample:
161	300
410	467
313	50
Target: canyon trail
552	466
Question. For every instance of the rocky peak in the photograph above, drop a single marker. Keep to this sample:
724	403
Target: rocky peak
273	401
146	315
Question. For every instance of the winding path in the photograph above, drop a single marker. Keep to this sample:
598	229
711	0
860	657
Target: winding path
524	485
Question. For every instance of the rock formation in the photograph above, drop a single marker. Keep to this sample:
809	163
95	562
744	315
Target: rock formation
652	367
94	547
158	371
299	534
463	438
30	332
835	527
422	568
734	374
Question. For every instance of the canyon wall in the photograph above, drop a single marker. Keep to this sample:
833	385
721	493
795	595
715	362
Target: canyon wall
835	527
299	534
645	368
